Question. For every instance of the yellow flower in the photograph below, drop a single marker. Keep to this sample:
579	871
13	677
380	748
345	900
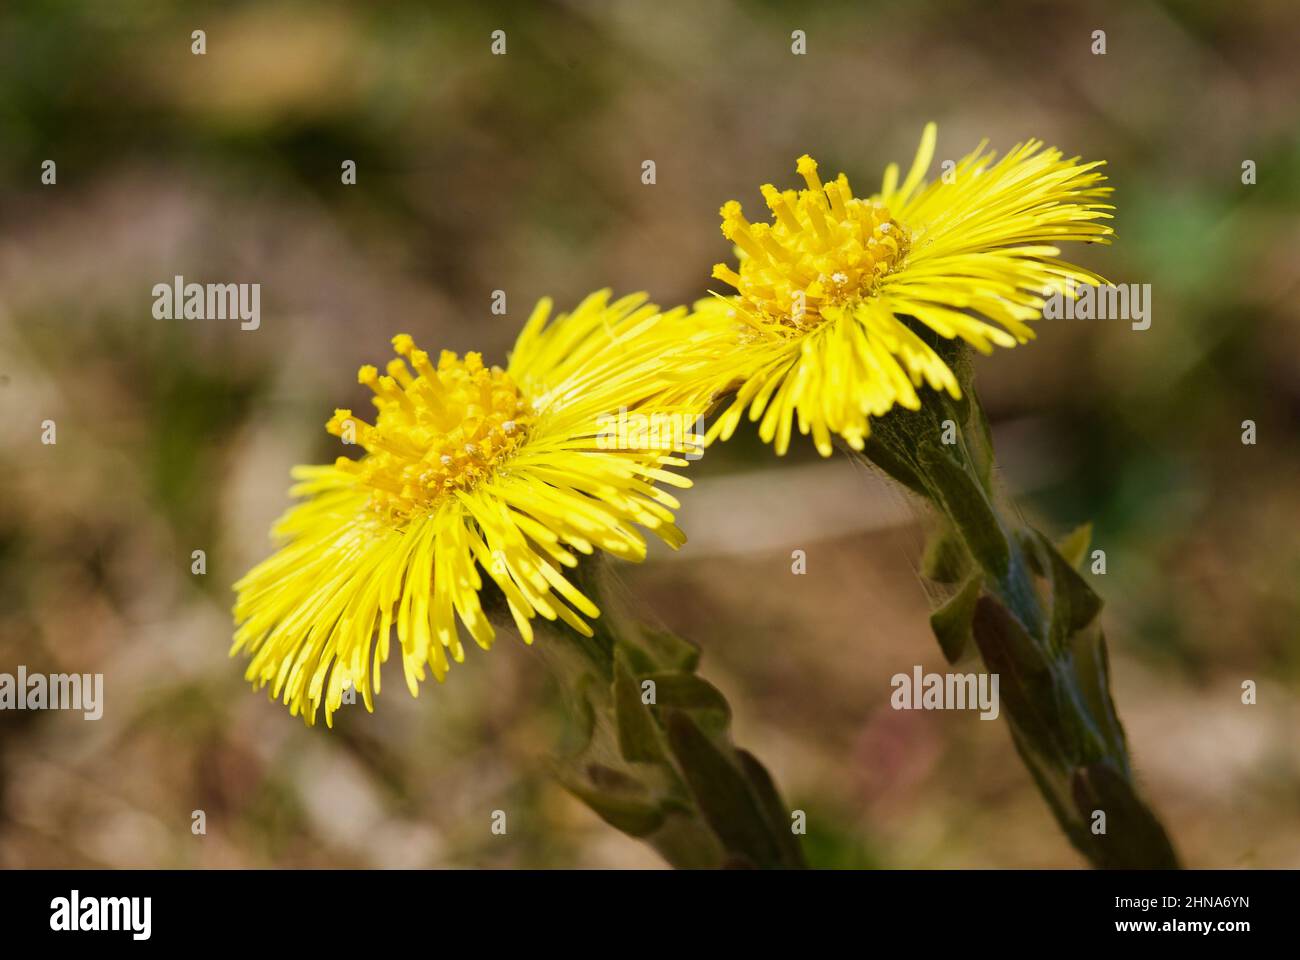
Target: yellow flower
466	469
816	329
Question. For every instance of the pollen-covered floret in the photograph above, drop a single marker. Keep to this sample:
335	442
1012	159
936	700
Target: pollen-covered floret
824	247
438	430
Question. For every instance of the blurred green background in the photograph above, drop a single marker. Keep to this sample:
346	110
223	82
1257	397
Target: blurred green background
523	173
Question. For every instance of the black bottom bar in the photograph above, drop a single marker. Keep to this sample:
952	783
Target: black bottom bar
350	909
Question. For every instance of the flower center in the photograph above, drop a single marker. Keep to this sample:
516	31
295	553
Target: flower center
437	431
824	247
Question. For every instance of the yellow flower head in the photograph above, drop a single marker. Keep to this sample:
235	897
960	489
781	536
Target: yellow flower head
816	331
469	469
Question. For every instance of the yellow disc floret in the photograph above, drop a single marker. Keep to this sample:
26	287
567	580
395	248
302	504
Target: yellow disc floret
437	430
825	247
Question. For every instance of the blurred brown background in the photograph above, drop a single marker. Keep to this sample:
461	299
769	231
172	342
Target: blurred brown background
522	172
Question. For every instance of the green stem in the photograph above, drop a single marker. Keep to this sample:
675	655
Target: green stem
1019	599
656	759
